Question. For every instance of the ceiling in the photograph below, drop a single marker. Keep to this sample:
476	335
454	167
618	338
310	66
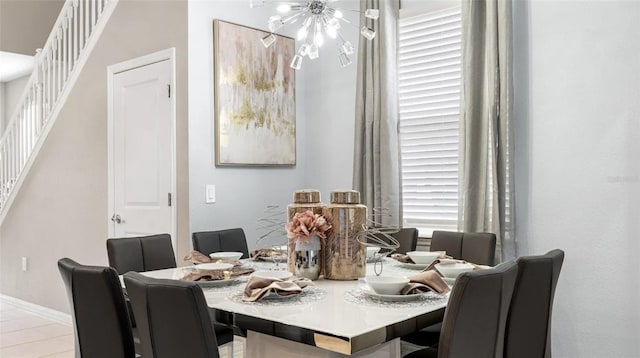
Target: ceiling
14	65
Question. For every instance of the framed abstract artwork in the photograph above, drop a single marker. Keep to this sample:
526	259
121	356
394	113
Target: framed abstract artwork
254	98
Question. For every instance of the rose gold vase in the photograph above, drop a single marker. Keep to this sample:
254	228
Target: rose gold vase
345	257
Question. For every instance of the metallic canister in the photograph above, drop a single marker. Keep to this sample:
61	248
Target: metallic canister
345	258
303	200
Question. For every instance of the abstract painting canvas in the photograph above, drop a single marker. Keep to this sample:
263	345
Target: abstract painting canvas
254	97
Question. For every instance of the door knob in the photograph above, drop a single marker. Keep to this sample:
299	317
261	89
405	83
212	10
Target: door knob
116	218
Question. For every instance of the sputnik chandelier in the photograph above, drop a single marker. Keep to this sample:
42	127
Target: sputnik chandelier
318	20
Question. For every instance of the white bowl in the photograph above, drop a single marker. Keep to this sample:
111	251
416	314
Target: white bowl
453	270
280	248
386	285
423	257
280	274
372	251
226	255
215	266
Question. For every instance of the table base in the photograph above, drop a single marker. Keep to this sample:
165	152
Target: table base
264	346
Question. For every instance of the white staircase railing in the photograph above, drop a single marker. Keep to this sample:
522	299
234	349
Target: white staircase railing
56	69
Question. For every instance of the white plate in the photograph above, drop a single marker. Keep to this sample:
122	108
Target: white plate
414	266
392	298
274	274
217	283
275	296
214	266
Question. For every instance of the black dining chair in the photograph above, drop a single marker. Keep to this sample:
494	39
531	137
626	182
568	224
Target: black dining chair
139	254
208	242
100	320
173	318
528	332
476	315
476	247
407	238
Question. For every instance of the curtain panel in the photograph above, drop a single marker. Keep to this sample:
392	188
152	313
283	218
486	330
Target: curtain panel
486	199
376	171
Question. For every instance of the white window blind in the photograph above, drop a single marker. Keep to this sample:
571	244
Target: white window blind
429	79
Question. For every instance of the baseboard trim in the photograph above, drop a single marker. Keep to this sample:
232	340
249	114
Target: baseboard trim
38	310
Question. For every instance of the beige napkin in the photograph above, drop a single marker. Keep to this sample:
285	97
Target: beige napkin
267	254
197	257
450	261
258	287
425	281
407	260
215	275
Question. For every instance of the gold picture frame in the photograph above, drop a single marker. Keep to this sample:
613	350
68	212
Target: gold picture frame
254	98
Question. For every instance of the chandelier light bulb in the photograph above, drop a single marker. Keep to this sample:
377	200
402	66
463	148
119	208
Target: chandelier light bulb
338	14
284	8
302	34
318	39
331	32
313	52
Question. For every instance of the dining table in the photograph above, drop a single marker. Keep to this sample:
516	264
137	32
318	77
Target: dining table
330	318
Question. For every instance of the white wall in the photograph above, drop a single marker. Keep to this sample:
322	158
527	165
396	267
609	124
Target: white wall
12	92
577	112
241	193
3	120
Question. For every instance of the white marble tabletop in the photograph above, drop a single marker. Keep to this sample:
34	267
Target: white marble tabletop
334	309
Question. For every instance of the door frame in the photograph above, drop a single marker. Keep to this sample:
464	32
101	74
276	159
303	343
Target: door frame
167	54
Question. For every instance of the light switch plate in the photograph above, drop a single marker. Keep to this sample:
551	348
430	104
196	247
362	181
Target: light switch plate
210	194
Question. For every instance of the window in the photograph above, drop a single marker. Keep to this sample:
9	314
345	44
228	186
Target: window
429	74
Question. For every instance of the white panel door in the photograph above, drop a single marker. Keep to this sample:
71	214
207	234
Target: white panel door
142	151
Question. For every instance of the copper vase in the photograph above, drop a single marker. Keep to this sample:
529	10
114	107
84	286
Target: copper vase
345	257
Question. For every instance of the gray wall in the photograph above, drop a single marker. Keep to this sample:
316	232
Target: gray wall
61	210
577	85
25	24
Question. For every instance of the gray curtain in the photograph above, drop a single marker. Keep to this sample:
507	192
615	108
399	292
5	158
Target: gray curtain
486	138
376	165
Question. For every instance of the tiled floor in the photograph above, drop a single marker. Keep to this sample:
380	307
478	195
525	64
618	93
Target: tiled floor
25	335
